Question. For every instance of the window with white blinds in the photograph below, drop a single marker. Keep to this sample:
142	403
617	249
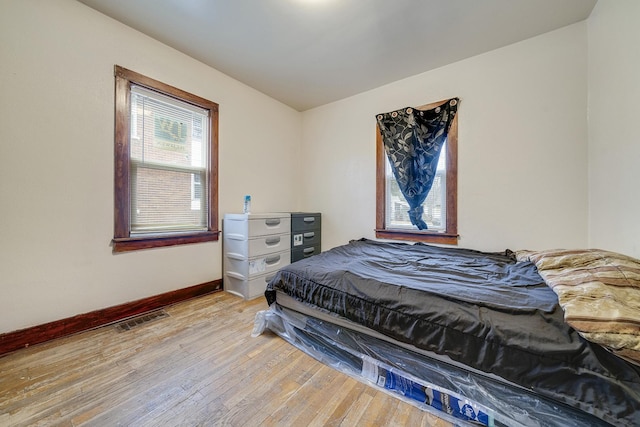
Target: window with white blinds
166	148
168	167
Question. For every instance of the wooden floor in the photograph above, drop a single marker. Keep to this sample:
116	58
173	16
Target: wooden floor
197	367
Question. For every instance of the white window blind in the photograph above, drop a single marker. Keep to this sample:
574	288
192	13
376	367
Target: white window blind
168	164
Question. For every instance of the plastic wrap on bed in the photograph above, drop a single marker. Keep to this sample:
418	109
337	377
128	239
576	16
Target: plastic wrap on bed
483	310
452	393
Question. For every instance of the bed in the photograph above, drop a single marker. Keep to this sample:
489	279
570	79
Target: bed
475	337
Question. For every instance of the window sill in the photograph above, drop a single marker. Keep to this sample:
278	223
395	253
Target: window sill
418	236
126	244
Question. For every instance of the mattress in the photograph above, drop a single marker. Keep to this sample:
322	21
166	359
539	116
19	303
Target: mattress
431	382
483	312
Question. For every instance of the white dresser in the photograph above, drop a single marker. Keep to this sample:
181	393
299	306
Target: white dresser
255	246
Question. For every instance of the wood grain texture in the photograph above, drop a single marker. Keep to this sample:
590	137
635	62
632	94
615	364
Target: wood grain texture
12	341
199	366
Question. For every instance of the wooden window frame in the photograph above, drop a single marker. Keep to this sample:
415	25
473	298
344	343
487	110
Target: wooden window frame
450	235
122	240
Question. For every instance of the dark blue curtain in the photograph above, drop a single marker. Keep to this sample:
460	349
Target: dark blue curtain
413	140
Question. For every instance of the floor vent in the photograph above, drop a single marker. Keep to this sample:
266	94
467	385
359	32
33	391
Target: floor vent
133	322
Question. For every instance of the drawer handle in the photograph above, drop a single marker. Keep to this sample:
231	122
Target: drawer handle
270	241
273	260
310	235
308	251
309	219
235	256
272	222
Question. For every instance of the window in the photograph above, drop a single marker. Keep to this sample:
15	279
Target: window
440	208
165	165
435	209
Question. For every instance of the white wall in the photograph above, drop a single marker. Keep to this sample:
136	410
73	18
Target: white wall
56	162
522	146
524	163
614	111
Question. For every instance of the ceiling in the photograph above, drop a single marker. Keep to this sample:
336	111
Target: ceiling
306	53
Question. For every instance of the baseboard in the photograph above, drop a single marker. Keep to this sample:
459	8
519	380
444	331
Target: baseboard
12	341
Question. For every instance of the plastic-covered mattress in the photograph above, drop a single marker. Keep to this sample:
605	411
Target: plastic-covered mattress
484	312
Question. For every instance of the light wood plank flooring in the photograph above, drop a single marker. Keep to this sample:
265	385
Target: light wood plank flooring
197	367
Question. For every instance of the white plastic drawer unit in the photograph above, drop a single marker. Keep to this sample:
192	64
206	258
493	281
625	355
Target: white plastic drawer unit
255	246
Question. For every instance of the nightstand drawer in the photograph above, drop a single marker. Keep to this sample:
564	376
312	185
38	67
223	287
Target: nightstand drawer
256	266
247	288
246	226
257	246
304	252
305	221
269	244
268	226
305	238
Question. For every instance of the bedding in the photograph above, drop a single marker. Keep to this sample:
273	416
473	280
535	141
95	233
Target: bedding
485	312
599	292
